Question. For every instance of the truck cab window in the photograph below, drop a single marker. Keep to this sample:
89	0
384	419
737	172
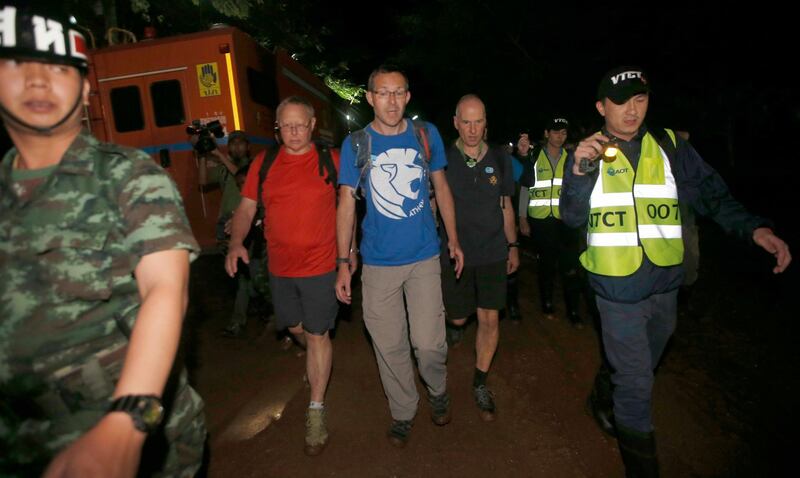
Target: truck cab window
263	89
167	103
126	105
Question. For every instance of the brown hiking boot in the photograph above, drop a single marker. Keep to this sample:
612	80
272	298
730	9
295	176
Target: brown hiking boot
316	431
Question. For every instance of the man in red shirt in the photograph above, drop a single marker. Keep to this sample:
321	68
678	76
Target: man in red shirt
300	229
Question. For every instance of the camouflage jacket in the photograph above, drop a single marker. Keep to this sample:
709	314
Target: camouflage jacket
68	296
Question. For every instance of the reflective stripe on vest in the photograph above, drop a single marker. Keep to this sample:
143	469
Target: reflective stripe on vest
634	212
546	191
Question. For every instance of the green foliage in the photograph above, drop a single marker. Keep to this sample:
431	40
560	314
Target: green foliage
345	89
232	8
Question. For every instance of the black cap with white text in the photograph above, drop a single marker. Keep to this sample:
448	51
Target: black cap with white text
622	83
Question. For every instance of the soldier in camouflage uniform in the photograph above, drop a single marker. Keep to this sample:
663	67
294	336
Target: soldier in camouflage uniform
94	266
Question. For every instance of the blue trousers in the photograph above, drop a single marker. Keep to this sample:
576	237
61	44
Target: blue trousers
634	336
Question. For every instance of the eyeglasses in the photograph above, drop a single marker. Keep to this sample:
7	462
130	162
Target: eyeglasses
384	94
300	128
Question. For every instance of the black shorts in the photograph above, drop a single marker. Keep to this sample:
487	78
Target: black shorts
481	286
307	300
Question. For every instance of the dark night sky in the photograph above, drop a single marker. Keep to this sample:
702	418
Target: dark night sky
715	68
722	72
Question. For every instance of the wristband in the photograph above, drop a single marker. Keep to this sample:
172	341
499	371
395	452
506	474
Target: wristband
343	260
513	244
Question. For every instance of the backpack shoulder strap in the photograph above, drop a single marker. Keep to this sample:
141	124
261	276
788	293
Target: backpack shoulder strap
326	167
421	133
269	158
361	143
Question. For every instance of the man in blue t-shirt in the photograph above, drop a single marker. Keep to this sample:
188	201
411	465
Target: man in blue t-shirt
399	249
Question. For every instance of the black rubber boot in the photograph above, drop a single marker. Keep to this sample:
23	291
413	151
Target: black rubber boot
638	450
512	298
600	403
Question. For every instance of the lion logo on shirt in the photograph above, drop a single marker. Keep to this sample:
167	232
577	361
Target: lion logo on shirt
393	179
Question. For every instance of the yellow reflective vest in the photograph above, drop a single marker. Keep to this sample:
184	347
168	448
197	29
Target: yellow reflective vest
544	195
634	212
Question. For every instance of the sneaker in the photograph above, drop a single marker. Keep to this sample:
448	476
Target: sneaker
485	400
399	431
232	331
316	431
440	408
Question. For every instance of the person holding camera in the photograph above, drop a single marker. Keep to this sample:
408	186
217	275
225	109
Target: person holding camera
217	167
633	204
556	245
95	250
295	185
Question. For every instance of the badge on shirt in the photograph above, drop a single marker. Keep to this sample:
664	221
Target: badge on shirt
493	180
489	170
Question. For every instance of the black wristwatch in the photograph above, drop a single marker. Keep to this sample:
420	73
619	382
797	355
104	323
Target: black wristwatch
513	244
145	410
343	260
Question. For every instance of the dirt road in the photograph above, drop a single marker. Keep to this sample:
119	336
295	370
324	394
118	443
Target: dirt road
718	392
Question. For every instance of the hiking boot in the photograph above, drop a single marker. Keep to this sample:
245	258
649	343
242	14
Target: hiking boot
485	400
233	331
453	334
316	431
399	432
440	408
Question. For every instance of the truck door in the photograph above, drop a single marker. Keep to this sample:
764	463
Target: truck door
167	96
124	98
150	111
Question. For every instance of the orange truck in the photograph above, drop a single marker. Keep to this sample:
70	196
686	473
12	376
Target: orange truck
145	94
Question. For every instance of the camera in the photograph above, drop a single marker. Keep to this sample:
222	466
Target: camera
205	135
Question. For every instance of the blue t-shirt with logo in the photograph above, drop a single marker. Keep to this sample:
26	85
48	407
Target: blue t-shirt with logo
398	227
